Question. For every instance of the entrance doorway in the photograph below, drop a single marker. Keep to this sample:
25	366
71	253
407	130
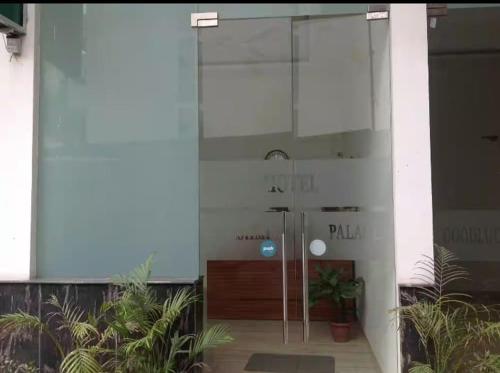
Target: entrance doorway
295	174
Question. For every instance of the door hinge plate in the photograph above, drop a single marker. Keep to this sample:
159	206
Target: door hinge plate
372	16
377	11
209	19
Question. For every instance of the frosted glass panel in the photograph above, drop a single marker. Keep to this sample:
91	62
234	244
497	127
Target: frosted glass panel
362	236
245	184
118	140
238	234
341	182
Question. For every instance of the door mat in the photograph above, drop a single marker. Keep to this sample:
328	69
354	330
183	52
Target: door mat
281	363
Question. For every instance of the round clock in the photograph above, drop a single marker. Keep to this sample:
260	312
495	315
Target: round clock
276	154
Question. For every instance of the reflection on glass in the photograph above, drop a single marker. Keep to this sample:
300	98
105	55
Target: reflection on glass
342	106
464	72
246	183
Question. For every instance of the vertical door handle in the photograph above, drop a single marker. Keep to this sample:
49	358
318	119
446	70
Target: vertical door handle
284	267
305	280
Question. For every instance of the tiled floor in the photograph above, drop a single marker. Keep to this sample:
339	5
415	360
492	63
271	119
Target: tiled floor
253	336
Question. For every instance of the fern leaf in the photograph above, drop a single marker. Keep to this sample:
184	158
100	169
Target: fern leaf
20	321
421	368
80	360
215	336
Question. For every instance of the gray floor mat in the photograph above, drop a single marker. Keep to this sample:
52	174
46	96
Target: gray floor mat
281	363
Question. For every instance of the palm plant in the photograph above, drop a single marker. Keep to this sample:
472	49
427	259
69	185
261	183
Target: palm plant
455	334
147	331
132	332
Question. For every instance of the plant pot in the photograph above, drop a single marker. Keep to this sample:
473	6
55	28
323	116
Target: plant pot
341	332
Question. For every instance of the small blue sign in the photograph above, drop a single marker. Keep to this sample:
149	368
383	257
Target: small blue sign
268	248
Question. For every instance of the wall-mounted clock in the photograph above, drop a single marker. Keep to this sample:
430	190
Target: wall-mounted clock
276	154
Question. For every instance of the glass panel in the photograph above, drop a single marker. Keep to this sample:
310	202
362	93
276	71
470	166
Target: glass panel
245	113
343	170
464	86
471	5
329	156
118	140
242	10
464	31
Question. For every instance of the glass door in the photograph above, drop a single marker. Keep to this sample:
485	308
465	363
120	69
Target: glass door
342	164
333	121
246	225
295	173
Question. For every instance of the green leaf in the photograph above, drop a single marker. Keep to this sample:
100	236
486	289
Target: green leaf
80	360
421	368
331	286
132	332
20	321
215	336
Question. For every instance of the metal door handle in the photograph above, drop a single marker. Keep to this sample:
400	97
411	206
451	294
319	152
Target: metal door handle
284	268
305	281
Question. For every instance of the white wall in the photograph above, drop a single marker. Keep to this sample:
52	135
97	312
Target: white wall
17	78
411	138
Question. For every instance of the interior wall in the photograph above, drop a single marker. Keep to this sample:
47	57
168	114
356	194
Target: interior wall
464	86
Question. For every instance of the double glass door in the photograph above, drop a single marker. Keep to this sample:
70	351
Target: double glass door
295	168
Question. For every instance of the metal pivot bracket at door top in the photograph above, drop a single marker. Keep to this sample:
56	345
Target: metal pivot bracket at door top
377	11
209	19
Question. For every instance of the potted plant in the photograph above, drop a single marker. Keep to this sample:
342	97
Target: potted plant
331	285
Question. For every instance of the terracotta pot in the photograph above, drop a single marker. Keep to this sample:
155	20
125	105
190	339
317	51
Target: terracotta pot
341	332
